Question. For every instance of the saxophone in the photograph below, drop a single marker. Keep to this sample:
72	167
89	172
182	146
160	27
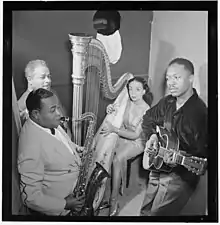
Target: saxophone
86	184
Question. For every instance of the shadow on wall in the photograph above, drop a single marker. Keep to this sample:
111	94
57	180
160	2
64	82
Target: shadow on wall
164	55
203	82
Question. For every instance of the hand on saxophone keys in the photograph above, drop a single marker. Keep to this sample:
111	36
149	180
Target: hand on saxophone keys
80	150
75	203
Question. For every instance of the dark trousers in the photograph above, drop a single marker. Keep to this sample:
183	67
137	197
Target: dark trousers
166	195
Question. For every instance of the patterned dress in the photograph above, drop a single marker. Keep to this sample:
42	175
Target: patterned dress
126	149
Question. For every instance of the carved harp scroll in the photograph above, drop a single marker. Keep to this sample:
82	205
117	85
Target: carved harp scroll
87	53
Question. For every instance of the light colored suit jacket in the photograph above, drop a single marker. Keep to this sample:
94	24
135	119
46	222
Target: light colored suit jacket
48	170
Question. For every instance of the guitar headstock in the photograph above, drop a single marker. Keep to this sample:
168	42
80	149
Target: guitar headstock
196	165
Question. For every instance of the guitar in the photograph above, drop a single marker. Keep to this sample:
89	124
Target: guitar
168	142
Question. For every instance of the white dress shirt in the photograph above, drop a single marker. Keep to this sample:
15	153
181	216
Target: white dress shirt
58	135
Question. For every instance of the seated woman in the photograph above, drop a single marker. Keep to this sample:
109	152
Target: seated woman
38	75
130	142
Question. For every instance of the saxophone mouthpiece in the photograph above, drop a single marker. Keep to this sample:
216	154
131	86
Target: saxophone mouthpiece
64	119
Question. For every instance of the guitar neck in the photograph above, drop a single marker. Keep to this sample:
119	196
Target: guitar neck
195	164
179	158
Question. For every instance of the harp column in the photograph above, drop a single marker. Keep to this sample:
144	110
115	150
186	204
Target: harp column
80	46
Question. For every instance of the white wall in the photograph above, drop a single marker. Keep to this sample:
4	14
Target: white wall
179	34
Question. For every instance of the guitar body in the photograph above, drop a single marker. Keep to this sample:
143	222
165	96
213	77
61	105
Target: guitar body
158	162
160	165
167	141
152	162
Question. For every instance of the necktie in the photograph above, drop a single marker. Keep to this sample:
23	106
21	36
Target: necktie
52	131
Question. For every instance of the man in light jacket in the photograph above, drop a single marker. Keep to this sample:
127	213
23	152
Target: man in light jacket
48	161
38	75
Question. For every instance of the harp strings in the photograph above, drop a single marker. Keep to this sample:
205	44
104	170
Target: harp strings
93	84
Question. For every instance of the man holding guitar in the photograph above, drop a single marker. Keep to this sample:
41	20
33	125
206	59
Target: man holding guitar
176	150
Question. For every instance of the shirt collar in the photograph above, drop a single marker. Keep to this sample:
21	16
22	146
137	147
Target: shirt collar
42	128
188	104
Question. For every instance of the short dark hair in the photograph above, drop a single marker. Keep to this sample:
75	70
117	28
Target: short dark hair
148	96
185	62
33	100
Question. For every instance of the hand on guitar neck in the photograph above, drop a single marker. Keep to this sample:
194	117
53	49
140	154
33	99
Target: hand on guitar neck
170	158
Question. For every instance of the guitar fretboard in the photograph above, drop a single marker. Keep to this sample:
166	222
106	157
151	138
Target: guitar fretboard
192	163
179	157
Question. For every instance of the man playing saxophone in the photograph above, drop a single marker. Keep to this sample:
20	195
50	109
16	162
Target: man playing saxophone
48	161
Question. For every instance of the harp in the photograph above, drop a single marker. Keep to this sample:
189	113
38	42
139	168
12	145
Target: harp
92	90
92	81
